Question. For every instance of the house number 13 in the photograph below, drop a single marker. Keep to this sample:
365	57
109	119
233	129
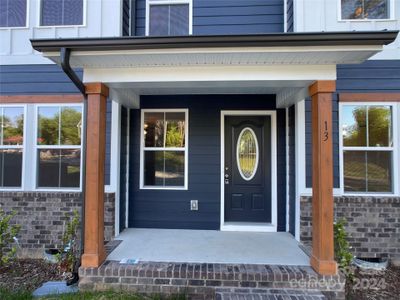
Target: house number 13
326	133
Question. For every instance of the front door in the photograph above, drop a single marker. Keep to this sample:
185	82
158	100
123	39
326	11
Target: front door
247	177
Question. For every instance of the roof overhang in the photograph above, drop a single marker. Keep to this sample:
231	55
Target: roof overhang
279	63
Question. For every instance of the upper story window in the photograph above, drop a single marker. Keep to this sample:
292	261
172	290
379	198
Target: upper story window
168	17
368	148
13	13
61	12
11	146
365	9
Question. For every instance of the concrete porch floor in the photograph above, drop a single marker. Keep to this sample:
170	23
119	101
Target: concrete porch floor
209	246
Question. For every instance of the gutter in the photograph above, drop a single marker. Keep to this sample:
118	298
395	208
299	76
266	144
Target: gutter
65	54
354	38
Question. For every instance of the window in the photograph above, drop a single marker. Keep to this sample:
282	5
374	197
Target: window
11	146
169	17
58	146
61	12
365	9
13	13
368	148
164	149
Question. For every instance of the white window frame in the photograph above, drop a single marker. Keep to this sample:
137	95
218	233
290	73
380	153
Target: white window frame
39	17
394	149
391	14
26	19
36	147
168	2
143	148
23	147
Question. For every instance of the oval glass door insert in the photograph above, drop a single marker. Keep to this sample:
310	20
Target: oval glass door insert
247	153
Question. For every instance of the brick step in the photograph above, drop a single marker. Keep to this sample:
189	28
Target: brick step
268	294
204	280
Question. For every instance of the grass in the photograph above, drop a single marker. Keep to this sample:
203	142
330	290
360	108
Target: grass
110	295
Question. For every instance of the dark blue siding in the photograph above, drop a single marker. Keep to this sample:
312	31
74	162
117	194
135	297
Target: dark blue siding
123	167
126	17
42	80
290	16
35	79
227	16
171	209
372	76
292	169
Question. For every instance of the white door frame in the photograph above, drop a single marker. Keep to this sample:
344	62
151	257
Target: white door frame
239	226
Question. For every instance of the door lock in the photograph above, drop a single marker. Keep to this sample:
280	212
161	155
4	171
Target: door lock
226	181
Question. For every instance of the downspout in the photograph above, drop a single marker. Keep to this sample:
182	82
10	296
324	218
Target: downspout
65	54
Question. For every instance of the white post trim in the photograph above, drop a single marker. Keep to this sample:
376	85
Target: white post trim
287	169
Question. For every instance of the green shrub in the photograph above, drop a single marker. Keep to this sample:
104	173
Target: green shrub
69	253
7	234
343	255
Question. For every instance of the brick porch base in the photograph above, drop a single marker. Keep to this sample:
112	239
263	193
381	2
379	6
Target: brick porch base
211	281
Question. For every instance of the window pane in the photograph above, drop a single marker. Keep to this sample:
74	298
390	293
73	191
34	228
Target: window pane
48	126
10	167
73	12
159	20
154	168
174	173
376	9
71	125
12	13
153	129
49	168
175	129
354	125
354	163
352	9
52	12
12	123
62	12
70	168
380	126
179	20
379	170
365	9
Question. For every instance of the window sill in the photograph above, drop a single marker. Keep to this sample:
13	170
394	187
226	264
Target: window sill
366	20
20	27
59	26
172	188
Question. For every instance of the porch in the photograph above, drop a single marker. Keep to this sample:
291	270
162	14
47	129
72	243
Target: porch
209	246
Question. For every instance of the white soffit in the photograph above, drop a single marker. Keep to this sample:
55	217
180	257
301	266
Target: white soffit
302	55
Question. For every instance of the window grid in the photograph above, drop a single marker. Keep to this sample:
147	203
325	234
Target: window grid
60	147
7	147
25	18
145	149
62	23
367	148
390	13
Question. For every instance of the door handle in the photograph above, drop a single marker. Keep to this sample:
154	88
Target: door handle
226	181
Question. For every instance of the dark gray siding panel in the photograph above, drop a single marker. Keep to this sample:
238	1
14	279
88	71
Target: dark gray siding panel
372	76
126	17
292	169
171	209
42	80
281	168
228	16
290	15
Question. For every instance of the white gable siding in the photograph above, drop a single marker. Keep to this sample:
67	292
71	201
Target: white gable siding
102	18
324	15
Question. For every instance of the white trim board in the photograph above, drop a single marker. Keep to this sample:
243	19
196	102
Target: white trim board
261	227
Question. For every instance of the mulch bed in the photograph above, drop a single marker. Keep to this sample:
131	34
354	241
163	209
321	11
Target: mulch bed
375	285
27	274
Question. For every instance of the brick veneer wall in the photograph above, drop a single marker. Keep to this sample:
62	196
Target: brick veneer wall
373	224
42	217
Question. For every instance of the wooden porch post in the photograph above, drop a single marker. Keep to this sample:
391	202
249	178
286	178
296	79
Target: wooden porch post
94	253
322	258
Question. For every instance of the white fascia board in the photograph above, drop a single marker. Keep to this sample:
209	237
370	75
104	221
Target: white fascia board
211	73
